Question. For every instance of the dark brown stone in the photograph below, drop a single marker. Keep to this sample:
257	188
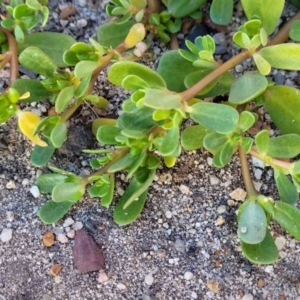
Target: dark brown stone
87	255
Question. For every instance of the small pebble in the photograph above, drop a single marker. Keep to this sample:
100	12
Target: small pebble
149	279
168	214
25	182
10	216
238	194
188	275
69	221
81	23
214	180
280	242
194	295
239	68
220	221
62	238
48	239
57	279
77	225
82	3
6	235
102	277
161	253
221	209
269	269
34	190
67	12
11	185
121	286
71	234
179	245
247	297
184	189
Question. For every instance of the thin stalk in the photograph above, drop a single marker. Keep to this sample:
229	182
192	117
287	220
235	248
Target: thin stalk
118	155
273	162
154	6
228	65
13	50
251	191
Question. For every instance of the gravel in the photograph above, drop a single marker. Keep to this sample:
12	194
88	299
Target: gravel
180	247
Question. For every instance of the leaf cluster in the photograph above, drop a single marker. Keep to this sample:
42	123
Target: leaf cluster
149	130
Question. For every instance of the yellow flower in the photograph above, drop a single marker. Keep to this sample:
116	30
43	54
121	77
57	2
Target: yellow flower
27	122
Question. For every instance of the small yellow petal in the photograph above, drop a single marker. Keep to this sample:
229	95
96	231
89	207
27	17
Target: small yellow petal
136	34
27	122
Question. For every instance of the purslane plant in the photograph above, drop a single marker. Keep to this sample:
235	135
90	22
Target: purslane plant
149	129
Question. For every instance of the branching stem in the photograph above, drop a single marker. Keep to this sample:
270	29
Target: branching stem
13	51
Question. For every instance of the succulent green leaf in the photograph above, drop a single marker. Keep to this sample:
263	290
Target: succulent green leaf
106	134
285	146
173	69
167	144
140	120
247	87
214	140
82	87
180	9
261	11
187	55
264	252
37	61
192	137
41	155
295	31
288	216
85	68
138	161
58	135
52	211
246	121
54	44
34	4
262	141
132	202
285	114
246	143
64	98
223	156
252	27
252	223
221	11
112	34
47	182
107	199
159	99
133	83
217	117
262	65
282	56
67	191
122	164
34	87
120	70
98	191
153	162
287	191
